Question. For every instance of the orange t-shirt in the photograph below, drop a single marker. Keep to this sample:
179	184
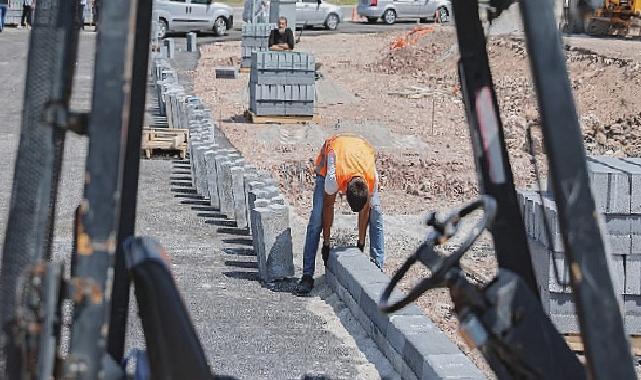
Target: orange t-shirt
351	156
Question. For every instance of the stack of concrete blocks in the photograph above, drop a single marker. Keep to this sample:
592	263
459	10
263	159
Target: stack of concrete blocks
282	83
255	37
616	188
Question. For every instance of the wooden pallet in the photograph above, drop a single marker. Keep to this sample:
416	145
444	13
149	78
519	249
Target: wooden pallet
244	69
285	119
576	345
164	139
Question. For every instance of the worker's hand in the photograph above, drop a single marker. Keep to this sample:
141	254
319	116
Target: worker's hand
360	246
325	253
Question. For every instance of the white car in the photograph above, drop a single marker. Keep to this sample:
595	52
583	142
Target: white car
391	10
193	15
318	13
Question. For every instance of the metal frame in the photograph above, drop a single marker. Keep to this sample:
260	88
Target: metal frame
53	43
97	224
127	224
605	342
488	142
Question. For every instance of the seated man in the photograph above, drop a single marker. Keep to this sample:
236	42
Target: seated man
281	38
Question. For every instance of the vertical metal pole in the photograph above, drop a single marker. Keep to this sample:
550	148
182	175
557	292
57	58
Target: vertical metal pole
53	43
99	211
605	343
127	225
488	143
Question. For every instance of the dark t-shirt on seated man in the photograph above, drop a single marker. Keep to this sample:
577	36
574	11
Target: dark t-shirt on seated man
286	37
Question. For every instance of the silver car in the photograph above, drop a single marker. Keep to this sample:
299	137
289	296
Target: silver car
193	15
391	10
318	13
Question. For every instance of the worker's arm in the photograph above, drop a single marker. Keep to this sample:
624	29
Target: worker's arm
363	220
328	216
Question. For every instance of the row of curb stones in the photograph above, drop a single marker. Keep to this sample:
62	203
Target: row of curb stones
221	175
411	342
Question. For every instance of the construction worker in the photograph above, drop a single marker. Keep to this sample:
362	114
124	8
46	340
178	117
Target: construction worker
346	164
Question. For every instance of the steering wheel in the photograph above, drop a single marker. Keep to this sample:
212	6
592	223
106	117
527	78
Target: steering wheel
442	228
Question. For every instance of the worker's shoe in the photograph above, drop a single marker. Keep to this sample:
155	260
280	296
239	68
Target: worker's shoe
305	285
325	254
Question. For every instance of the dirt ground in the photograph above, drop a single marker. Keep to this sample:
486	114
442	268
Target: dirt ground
425	160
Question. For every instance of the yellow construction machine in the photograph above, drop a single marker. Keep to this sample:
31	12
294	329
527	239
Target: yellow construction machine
603	17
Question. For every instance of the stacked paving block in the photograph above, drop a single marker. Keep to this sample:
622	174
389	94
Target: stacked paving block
255	37
221	175
282	83
616	187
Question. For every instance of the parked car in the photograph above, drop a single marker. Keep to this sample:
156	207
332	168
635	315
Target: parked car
193	15
318	13
391	10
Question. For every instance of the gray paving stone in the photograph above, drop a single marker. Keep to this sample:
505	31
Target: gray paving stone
618	245
633	274
201	171
450	366
212	180
259	217
370	296
238	192
633	171
617	273
610	187
632	318
225	192
275	260
420	346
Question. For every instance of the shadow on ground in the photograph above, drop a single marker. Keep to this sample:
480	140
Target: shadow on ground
237	241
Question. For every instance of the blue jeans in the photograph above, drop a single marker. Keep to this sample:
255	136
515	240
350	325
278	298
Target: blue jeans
3	13
315	228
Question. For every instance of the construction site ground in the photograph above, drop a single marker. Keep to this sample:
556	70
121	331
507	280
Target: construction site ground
247	329
406	101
